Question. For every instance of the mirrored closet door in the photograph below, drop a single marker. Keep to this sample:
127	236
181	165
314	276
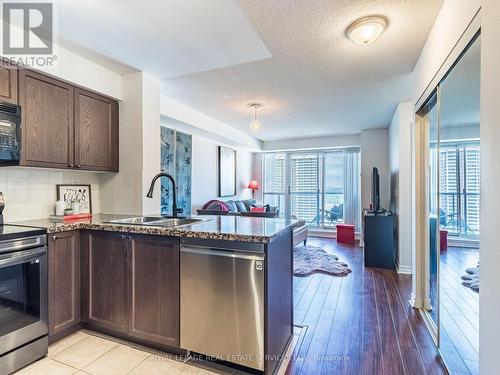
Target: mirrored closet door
449	126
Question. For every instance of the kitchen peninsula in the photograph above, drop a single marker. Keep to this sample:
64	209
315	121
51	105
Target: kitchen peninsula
220	286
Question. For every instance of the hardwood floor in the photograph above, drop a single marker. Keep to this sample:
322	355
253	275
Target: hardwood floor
359	324
459	312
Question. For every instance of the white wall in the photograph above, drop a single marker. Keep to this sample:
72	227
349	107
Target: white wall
30	193
151	156
400	172
207	125
204	185
374	153
125	192
450	24
205	175
209	133
489	295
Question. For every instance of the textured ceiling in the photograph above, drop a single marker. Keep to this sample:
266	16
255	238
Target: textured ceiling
317	81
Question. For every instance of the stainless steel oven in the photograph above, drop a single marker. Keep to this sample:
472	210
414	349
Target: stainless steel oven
10	133
23	301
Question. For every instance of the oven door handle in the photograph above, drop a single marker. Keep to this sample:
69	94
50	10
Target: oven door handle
22	256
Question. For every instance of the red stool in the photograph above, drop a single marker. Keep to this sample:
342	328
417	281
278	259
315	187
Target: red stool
345	233
443	239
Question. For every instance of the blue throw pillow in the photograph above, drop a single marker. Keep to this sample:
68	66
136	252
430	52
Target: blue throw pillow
241	206
232	206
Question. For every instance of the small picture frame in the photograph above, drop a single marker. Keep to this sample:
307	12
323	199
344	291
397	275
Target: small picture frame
71	193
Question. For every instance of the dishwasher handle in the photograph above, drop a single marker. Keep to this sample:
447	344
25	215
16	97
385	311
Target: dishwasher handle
237	254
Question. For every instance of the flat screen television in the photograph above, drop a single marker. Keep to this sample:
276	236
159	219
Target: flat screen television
375	190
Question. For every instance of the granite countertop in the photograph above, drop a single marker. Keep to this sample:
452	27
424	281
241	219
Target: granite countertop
228	228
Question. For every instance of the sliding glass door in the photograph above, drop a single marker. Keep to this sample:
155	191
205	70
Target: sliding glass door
275	181
306	180
333	213
322	188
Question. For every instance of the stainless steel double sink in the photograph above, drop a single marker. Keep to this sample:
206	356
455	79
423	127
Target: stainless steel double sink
156	221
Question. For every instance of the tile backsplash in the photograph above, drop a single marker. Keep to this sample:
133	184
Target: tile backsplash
30	193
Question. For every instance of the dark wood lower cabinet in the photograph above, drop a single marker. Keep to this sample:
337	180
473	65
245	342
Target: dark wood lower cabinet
130	285
154	302
105	275
64	281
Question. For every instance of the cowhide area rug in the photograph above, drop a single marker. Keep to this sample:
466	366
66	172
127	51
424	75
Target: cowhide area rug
471	279
311	259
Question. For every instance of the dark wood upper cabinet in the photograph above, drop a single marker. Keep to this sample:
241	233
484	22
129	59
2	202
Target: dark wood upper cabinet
154	302
46	121
96	132
64	126
64	281
105	277
8	84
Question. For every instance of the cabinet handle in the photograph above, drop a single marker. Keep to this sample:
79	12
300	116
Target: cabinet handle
122	236
70	165
54	238
78	166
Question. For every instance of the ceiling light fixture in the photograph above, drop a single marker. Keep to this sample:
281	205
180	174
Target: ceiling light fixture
367	29
255	125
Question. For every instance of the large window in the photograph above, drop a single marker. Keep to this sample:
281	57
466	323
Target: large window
459	180
322	188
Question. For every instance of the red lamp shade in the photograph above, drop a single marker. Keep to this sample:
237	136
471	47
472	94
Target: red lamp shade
254	185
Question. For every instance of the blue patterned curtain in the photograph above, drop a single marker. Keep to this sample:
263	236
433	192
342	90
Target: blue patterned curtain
176	152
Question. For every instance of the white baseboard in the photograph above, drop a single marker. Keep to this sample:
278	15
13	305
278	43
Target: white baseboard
407	270
321	233
460	242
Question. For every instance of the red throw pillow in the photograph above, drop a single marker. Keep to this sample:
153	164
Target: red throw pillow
257	209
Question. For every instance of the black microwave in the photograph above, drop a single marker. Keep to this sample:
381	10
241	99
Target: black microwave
10	134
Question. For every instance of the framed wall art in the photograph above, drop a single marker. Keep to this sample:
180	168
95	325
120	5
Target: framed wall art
76	193
227	172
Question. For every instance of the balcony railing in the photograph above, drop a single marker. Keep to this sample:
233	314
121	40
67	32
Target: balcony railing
460	219
313	210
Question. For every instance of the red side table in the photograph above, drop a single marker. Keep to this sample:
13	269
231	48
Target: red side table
443	240
345	233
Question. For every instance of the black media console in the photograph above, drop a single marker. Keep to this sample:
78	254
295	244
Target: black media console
379	240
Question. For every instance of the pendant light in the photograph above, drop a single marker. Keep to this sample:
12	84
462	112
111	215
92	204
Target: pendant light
255	125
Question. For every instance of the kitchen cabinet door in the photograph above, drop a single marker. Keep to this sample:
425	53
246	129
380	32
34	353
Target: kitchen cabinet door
8	84
105	277
47	121
154	312
64	281
96	132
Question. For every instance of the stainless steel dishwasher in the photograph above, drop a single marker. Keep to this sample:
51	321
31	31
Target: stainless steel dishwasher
222	301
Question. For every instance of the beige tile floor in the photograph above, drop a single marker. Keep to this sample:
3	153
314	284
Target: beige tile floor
86	352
